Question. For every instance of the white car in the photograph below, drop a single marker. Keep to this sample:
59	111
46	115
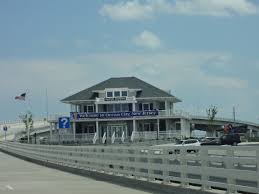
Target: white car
188	142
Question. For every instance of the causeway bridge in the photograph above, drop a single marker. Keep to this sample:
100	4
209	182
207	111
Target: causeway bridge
205	169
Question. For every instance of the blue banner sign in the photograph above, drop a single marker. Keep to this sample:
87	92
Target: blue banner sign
110	115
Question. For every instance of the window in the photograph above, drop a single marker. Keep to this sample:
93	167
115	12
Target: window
91	129
140	107
152	127
109	94
90	108
178	126
117	107
109	107
125	107
146	127
146	106
124	93
117	94
161	105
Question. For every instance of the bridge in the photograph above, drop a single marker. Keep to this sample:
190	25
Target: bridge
41	129
20	177
215	169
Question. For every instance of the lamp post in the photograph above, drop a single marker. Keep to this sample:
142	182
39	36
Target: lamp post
5	130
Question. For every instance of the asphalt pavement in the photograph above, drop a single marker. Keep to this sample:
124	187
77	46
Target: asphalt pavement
21	177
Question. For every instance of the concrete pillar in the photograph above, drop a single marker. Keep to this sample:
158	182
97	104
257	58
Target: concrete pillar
133	107
74	131
185	128
211	133
50	132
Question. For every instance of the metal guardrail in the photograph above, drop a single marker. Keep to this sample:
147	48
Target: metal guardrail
233	169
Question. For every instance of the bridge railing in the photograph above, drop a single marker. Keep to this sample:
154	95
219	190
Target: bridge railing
233	169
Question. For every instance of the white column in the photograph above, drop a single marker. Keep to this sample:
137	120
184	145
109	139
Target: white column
97	128
134	125
185	128
96	107
134	121
74	131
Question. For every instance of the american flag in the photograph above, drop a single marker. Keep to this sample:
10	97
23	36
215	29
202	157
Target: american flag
21	97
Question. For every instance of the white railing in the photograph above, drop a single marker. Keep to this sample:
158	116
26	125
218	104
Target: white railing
233	169
66	138
152	135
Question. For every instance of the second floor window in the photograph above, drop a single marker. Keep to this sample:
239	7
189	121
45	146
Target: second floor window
124	93
145	106
109	94
117	94
90	108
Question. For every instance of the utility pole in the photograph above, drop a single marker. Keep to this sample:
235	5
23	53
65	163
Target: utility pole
234	113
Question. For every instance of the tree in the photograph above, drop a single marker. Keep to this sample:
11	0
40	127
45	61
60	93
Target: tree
211	112
28	122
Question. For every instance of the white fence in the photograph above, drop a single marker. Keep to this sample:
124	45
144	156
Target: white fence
135	137
233	169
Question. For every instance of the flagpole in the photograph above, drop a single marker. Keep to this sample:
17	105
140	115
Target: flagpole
27	117
47	105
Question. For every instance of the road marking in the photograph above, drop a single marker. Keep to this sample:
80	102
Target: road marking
9	187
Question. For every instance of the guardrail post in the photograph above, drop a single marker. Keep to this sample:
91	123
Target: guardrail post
229	162
204	164
257	166
149	154
183	164
166	179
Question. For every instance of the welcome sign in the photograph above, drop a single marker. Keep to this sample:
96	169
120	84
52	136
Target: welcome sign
110	115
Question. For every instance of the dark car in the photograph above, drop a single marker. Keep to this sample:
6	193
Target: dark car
228	139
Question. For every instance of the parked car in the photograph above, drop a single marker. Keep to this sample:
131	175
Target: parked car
188	142
207	139
228	139
43	140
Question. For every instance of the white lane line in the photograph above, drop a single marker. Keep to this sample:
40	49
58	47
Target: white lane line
9	187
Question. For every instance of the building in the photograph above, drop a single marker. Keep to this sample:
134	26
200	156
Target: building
123	109
129	109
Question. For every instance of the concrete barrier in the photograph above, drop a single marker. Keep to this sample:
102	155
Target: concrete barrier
167	169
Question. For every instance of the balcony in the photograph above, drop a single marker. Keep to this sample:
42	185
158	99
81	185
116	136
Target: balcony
123	115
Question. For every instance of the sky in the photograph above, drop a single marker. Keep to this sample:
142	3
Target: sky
204	51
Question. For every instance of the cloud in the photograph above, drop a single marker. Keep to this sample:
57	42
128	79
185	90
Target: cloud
214	7
130	10
147	39
181	72
147	9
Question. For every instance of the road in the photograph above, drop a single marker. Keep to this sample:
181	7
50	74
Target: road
21	177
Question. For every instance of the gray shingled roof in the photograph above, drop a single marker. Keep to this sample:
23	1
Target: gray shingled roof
147	90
